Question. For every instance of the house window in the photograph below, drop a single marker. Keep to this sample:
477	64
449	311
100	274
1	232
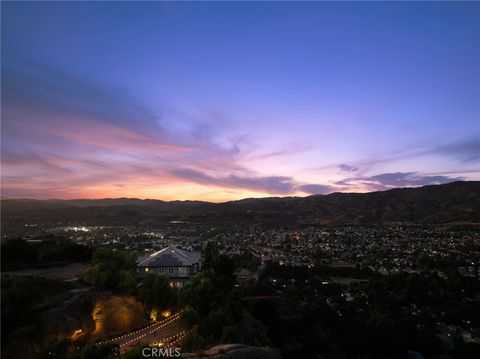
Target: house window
170	270
147	269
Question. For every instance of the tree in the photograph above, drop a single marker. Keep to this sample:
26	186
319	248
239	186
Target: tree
16	254
208	257
211	306
126	281
156	293
189	317
194	342
17	304
112	270
224	267
201	294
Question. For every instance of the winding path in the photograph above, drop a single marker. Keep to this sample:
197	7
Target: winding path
164	333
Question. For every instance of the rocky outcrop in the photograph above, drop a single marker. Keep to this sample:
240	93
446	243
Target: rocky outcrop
117	314
236	351
73	316
95	317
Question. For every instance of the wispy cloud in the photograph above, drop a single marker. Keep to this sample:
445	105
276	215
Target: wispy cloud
267	184
38	100
397	179
467	150
347	168
62	135
316	188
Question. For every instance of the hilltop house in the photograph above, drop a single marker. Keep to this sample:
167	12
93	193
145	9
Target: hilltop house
178	265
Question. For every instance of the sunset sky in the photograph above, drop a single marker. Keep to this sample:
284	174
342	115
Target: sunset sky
220	101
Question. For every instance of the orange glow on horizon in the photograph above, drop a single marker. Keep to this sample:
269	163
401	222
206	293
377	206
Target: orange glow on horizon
181	192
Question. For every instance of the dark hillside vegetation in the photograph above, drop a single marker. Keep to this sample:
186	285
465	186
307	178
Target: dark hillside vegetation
456	203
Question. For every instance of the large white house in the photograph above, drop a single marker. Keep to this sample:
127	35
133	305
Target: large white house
176	264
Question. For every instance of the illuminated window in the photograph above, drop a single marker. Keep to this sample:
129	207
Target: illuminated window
147	269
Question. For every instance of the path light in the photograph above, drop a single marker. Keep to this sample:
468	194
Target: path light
154	315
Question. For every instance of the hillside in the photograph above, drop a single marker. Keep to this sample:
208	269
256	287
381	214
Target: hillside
453	203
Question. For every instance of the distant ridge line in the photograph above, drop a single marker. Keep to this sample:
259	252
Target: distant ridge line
232	201
452	203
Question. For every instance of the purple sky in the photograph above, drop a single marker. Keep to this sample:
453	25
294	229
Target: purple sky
219	101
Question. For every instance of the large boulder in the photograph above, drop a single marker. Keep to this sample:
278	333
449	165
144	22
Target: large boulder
92	317
117	314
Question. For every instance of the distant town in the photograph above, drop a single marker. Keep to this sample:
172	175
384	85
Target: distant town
385	249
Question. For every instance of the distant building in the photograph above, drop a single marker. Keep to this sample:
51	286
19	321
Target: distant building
176	264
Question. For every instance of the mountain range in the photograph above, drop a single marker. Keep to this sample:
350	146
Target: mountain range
453	203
